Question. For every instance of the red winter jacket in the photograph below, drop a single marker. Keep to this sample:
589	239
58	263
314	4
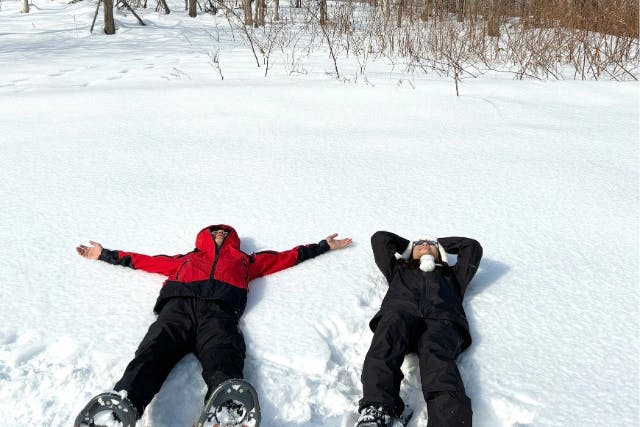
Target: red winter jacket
215	273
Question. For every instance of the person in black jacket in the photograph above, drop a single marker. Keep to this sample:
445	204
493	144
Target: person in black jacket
422	313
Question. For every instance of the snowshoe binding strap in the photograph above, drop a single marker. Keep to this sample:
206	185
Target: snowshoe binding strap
231	413
234	400
106	409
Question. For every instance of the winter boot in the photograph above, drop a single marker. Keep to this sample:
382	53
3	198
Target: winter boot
371	416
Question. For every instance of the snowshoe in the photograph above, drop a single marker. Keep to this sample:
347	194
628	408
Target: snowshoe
109	409
234	403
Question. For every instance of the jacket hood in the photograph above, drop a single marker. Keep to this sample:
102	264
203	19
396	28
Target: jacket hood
205	242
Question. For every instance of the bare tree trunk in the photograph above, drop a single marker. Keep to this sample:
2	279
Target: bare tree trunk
400	7
95	16
323	12
163	5
192	8
246	6
256	6
261	10
128	6
451	6
109	24
493	24
461	7
426	11
276	13
527	13
387	10
25	6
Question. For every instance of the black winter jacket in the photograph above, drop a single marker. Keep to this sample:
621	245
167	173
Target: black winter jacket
435	294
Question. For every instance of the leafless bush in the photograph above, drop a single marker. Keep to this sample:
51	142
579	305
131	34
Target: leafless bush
556	39
292	50
214	61
530	38
331	31
273	36
235	20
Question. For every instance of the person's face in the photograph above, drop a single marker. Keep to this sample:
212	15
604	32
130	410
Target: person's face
219	235
424	247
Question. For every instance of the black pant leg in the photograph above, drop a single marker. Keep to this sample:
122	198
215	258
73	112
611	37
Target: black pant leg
168	339
443	389
220	345
450	409
381	372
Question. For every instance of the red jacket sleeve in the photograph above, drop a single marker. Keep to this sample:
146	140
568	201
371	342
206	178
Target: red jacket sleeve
161	264
268	262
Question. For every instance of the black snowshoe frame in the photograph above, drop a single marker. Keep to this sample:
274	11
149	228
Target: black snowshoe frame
236	390
121	408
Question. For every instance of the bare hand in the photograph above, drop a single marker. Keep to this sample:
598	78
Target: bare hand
337	243
92	252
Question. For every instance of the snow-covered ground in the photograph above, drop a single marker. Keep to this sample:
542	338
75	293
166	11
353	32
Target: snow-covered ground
134	141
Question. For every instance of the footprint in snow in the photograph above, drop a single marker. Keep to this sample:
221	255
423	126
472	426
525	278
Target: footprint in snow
347	345
514	410
373	296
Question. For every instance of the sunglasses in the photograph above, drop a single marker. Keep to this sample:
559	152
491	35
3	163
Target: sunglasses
223	232
425	242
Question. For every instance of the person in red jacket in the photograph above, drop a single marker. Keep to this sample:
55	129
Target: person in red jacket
199	306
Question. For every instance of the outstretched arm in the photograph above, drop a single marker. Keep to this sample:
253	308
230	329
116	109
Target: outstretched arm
161	264
268	262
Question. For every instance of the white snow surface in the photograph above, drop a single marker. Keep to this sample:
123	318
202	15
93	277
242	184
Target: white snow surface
134	141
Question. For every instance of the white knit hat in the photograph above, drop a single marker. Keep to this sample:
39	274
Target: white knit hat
407	252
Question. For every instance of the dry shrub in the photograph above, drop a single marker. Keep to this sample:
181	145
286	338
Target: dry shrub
584	39
580	39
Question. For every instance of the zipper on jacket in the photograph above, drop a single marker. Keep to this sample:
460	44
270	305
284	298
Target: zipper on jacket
246	271
181	268
425	295
215	259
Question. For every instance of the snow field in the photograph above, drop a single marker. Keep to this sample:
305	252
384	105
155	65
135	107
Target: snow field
142	150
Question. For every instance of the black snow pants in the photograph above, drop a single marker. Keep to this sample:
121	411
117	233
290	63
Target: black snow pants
438	344
185	325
